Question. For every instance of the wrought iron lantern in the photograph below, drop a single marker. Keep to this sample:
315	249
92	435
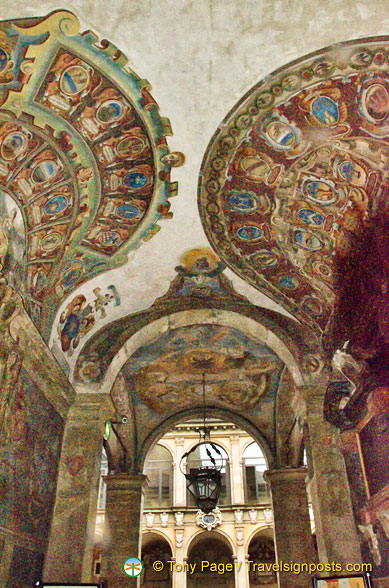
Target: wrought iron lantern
204	483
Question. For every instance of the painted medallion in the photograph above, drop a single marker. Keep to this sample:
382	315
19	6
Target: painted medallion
74	80
13	146
45	171
110	111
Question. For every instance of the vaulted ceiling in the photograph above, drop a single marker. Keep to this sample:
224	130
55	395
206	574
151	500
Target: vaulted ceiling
82	153
296	170
288	180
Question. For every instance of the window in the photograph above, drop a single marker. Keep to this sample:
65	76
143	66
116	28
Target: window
254	464
102	487
198	459
159	470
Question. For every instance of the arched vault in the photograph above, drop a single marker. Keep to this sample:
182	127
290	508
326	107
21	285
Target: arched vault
82	153
297	170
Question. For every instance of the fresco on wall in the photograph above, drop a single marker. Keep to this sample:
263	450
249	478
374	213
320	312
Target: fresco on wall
352	458
29	452
241	375
82	152
200	272
289	418
200	283
296	169
26	568
81	315
12	243
374	439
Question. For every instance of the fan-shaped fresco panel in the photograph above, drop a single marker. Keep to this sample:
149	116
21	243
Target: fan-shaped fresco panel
296	169
83	154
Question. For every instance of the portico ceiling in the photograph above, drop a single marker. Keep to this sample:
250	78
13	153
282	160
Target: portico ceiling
200	59
242	375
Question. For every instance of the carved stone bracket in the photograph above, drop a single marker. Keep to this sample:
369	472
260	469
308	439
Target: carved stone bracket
372	541
179	538
341	409
384	520
149	519
239	533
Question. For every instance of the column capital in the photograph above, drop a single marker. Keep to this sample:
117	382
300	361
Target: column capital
286	475
95	407
126	482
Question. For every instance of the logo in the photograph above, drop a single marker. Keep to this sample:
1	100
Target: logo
133	566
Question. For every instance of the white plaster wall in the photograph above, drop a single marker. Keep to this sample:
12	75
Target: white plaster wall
201	56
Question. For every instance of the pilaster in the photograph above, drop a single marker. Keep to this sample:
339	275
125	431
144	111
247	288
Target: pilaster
179	485
237	488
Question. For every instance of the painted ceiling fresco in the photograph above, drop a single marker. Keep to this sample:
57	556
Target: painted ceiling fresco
296	169
241	374
200	283
83	156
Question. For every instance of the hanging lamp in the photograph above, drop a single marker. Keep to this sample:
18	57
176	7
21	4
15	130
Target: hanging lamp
204	483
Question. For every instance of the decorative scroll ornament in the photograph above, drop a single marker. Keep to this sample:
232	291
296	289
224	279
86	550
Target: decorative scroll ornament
209	520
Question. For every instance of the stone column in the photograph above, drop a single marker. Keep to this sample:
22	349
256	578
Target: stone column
241	568
337	537
237	488
122	537
179	485
70	553
292	528
179	578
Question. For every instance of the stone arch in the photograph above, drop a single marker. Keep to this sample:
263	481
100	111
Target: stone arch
247	444
221	413
261	548
203	534
228	318
165	446
263	530
156	548
154	534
